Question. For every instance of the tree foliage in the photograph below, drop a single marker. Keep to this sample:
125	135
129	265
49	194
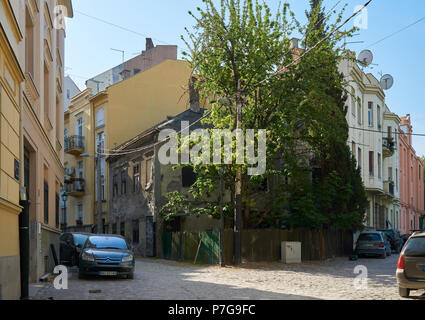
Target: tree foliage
313	180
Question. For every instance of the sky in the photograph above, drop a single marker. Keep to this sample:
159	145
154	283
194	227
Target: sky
89	41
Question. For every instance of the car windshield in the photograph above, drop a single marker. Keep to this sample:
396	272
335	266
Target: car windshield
369	237
80	239
107	243
415	248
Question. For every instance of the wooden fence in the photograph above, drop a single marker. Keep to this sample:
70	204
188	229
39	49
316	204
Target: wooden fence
257	245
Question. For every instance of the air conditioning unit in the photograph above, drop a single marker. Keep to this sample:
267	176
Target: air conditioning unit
291	252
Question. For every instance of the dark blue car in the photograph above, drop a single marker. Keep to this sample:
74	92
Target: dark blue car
107	255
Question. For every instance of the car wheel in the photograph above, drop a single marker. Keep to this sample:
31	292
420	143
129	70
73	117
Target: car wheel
404	293
384	255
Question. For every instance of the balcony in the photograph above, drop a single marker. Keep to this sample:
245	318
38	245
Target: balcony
75	187
388	147
389	188
74	145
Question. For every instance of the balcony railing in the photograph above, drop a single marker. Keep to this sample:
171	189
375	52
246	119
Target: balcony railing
389	187
74	144
75	187
388	146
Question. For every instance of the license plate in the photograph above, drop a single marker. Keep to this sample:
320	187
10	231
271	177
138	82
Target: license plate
108	273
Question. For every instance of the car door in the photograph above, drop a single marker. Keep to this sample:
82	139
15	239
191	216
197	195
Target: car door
414	255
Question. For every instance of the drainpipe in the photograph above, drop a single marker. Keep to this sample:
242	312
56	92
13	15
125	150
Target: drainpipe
24	235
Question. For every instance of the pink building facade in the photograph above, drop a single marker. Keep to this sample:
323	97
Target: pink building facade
411	181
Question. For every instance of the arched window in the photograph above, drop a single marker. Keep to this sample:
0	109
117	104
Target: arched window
99	118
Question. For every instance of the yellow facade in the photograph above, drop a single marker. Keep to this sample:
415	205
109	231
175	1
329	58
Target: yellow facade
11	77
129	107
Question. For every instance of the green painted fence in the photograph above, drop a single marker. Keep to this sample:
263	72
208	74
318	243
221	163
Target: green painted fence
257	245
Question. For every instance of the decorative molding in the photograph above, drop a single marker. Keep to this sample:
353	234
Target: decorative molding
12	19
9	206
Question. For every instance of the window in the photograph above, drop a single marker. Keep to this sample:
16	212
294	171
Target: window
359	111
420	169
57	210
79	127
123	182
68	94
46	202
359	160
370	114
390	173
99	118
29	44
371	163
46	91
379	166
148	176
353	102
102	180
122	229
80	212
390	134
188	177
65	134
378	119
135	231
100	142
396	179
136	71
114	228
115	186
136	178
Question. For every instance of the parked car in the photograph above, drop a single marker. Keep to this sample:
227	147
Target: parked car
70	247
411	265
107	255
395	239
373	243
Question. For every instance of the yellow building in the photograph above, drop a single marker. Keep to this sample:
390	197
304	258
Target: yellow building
112	117
11	77
42	119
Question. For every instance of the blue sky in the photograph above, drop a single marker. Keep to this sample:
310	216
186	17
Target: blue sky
89	42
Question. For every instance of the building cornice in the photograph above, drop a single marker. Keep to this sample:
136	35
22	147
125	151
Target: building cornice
9	206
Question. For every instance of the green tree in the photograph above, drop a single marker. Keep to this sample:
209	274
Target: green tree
238	52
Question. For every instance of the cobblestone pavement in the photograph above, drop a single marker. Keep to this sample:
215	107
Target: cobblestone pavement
158	280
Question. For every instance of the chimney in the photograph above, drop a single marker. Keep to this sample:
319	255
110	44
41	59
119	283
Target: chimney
149	44
294	43
194	96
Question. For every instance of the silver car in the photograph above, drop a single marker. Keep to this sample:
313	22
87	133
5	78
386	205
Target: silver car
373	243
411	265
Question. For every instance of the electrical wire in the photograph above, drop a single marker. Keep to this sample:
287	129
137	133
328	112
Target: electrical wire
397	32
118	153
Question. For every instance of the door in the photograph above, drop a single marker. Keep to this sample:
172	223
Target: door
150	237
79	127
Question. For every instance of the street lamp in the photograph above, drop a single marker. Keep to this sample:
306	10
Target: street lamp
97	157
65	219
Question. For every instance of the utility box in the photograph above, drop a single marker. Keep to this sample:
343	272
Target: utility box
291	252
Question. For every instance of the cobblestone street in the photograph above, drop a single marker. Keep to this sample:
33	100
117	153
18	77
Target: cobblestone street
158	280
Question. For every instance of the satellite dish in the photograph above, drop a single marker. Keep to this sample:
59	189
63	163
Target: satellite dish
387	81
365	58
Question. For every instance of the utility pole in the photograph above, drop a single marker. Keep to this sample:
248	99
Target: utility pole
222	221
237	229
99	186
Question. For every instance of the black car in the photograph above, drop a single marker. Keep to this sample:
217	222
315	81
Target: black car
397	242
70	247
107	255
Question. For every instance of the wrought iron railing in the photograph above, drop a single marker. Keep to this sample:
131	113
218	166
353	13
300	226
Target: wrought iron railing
74	142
